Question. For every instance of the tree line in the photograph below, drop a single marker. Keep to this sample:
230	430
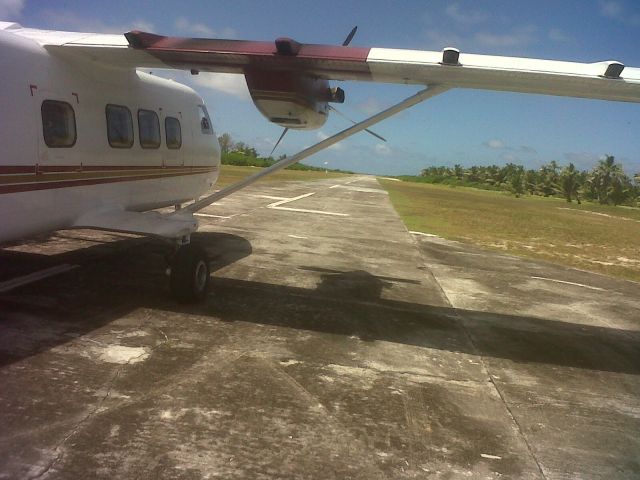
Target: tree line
241	154
606	183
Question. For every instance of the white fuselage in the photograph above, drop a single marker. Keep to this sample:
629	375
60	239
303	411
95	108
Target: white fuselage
44	187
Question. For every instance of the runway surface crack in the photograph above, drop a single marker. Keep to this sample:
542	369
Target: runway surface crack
476	352
97	409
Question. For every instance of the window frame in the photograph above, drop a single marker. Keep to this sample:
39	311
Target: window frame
205	118
73	117
133	134
154	147
166	135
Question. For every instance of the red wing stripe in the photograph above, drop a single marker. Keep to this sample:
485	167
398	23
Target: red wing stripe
240	55
151	42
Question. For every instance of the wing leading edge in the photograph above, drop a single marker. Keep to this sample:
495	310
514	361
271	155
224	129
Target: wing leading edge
602	80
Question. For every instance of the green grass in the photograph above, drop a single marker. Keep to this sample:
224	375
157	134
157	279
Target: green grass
597	238
232	173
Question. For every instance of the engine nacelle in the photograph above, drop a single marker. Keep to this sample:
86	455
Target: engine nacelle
292	100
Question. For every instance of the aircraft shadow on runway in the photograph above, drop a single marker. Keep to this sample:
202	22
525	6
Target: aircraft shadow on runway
344	303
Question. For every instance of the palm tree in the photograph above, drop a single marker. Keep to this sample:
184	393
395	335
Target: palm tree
531	180
513	178
549	178
609	182
570	183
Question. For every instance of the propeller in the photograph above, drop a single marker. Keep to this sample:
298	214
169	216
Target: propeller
346	42
352	33
284	132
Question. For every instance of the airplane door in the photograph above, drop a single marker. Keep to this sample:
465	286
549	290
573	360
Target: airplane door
172	153
57	126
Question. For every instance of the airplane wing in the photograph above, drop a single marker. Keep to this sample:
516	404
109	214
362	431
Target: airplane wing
606	80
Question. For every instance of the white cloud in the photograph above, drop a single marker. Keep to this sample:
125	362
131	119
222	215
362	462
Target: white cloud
382	149
439	39
618	11
509	157
583	160
611	9
320	135
370	106
528	149
557	35
11	8
143	26
495	144
67	20
184	25
463	16
517	37
586	161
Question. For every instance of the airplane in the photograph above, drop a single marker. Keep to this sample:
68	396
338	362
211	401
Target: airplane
88	140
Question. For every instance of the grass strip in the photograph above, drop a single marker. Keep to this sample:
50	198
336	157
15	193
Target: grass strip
591	237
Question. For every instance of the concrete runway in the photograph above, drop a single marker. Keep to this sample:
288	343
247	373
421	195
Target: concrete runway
334	344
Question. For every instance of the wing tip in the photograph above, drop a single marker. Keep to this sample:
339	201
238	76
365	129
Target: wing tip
141	40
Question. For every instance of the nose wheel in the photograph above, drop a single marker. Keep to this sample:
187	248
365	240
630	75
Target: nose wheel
189	277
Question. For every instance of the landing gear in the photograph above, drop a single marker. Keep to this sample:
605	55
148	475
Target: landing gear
189	274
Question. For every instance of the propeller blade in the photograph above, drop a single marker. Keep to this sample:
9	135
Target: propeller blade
284	132
347	40
352	121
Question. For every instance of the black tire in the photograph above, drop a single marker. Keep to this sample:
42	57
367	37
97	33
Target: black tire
189	279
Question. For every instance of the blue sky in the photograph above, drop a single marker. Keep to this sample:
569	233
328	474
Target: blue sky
461	126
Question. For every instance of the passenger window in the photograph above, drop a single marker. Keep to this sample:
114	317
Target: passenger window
205	121
173	133
58	124
119	126
149	127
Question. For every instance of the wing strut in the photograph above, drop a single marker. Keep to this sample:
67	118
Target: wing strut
326	143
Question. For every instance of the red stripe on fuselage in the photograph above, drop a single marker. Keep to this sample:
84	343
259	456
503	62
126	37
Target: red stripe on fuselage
37	182
17	169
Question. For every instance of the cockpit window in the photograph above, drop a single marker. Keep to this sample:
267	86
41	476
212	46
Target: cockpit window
205	121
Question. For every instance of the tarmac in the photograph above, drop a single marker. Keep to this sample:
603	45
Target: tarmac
334	344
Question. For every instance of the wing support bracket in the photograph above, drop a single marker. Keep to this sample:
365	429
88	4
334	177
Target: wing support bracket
419	97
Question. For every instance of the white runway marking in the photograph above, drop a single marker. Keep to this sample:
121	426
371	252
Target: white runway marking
270	197
35	276
423	234
277	206
362	189
297	236
492	457
569	283
318	212
208	215
289	200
